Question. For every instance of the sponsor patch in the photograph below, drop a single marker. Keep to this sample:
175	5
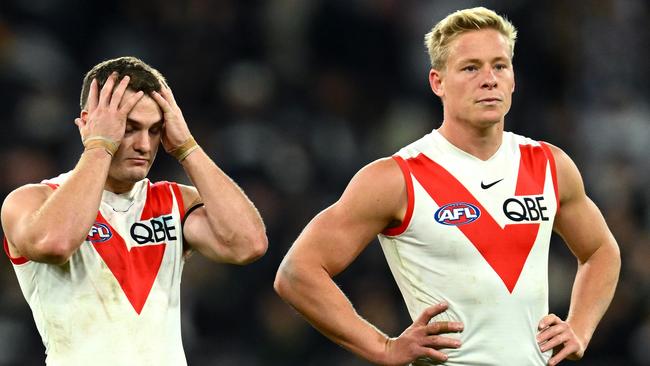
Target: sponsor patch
457	213
99	233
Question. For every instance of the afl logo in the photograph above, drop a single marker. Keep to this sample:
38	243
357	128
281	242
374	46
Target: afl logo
99	233
457	213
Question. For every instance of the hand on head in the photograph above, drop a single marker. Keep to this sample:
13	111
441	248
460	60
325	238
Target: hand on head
106	110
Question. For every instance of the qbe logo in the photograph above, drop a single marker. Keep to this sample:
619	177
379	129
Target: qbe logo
457	213
99	233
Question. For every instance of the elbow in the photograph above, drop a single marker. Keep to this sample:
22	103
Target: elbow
53	250
255	249
284	278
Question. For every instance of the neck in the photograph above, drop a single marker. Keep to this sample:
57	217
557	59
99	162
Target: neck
479	141
117	187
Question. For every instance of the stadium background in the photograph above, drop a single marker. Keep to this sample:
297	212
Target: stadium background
291	97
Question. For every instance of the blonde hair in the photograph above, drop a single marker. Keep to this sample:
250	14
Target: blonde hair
442	34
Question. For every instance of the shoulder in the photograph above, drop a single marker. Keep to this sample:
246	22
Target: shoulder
28	193
24	199
377	190
382	175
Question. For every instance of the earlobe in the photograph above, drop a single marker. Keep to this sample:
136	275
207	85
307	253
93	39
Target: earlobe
436	83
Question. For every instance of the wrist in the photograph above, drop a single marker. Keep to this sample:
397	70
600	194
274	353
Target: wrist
106	144
183	150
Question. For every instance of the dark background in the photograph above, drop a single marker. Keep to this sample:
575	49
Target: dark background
291	98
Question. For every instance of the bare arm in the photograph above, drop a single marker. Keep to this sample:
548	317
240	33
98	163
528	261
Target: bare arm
375	198
583	228
49	226
228	228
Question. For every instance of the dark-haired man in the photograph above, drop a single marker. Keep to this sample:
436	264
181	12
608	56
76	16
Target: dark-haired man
99	251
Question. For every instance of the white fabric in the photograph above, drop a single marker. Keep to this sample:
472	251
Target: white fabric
81	310
432	262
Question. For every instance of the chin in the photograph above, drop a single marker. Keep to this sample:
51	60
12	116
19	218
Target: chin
133	175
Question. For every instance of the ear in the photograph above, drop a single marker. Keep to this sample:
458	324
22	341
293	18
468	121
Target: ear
436	82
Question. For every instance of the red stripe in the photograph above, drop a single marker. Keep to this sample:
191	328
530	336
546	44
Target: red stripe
532	171
14	260
179	199
408	180
551	159
159	200
505	249
134	270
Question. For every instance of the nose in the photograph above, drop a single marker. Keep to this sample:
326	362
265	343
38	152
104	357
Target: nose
489	79
142	142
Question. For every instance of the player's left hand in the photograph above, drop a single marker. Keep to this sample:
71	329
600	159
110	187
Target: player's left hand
557	334
175	130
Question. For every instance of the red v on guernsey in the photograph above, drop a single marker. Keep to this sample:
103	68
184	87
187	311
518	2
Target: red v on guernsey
505	249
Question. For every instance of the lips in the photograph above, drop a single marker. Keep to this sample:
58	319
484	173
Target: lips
489	100
139	160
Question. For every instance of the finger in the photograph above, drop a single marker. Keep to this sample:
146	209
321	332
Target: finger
548	320
91	102
166	92
433	354
107	90
116	98
554	342
162	102
444	327
550	332
430	312
441	342
564	353
130	102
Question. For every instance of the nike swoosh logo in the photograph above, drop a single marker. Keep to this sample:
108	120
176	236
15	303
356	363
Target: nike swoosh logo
486	186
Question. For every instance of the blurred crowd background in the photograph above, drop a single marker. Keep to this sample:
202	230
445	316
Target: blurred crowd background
291	98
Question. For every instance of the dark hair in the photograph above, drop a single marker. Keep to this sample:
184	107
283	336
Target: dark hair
143	77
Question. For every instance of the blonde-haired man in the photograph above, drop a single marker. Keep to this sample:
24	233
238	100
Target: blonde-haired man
464	216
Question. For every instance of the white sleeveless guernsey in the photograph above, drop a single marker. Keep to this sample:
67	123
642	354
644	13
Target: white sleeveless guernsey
117	300
476	235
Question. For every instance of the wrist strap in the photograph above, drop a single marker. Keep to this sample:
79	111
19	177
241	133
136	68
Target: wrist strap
183	150
96	142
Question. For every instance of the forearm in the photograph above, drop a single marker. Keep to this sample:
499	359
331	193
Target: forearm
61	225
315	295
593	290
232	217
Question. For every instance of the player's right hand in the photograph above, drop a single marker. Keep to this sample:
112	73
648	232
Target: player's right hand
423	339
106	110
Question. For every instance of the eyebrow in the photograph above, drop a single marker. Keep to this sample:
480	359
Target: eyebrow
139	124
478	61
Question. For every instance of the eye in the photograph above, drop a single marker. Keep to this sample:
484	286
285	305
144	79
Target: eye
470	68
500	66
154	130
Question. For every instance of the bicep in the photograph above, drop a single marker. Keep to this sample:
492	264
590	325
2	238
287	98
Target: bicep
582	227
579	221
18	210
334	238
195	220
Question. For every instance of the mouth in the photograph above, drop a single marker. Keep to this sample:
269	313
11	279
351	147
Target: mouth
138	161
489	101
